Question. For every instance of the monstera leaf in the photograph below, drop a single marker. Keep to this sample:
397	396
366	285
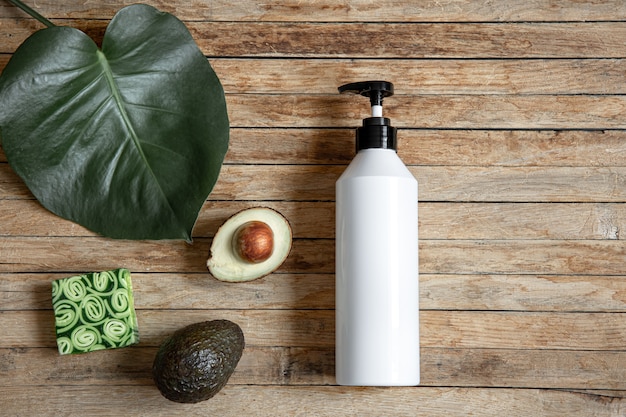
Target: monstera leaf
127	139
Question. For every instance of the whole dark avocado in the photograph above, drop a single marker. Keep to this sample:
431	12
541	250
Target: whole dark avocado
195	362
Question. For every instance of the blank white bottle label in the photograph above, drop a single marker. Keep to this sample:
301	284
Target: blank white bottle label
377	281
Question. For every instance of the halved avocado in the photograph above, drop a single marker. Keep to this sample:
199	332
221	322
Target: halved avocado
264	246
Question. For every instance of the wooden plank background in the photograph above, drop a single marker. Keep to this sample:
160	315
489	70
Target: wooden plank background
512	116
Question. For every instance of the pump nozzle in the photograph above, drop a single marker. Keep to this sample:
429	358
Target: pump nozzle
375	90
376	131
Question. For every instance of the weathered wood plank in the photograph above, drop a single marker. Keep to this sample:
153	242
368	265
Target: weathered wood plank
433	111
467	184
541	293
437	183
316	220
525	257
513	148
433	76
529	368
596	331
25	291
535	257
244	400
449	40
434	147
566	148
53	254
504	368
288	328
521	221
393	40
316	328
453	184
337	10
11	185
523	292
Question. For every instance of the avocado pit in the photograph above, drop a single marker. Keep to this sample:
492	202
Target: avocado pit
251	244
253	241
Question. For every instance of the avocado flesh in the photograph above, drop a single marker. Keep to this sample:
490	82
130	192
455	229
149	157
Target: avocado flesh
196	362
225	265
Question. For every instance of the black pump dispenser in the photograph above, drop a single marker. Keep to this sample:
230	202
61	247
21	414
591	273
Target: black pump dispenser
376	131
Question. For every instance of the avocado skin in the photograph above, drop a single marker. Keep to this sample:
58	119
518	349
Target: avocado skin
195	362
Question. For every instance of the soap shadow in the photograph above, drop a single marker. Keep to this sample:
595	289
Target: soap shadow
41	294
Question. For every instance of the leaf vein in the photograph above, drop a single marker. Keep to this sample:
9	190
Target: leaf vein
131	130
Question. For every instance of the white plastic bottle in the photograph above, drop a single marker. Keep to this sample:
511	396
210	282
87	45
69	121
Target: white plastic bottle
377	277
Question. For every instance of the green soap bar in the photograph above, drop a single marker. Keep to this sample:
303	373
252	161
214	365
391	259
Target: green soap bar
94	311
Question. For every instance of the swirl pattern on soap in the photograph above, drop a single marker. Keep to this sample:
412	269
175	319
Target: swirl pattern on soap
94	311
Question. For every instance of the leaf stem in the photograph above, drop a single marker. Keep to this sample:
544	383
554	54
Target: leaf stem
32	12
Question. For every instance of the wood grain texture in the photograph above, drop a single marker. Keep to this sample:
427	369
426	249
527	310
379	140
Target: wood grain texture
48	254
385	40
450	292
454	184
337	10
598	112
316	220
449	147
316	328
503	368
433	76
321	401
510	114
423	147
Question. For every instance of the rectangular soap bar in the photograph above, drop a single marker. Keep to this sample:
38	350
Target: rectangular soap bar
94	311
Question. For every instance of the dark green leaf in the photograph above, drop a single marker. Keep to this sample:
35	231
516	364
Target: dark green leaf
128	140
